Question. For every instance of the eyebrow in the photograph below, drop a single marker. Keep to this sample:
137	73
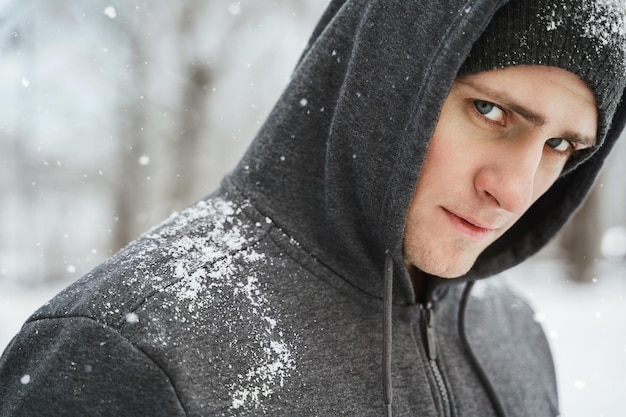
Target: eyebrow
535	118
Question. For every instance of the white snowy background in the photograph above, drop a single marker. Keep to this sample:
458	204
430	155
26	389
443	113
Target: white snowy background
116	113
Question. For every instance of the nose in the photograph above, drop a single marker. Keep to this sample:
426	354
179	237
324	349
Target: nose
508	175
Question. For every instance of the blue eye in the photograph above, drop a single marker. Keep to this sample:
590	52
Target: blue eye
489	110
560	145
483	107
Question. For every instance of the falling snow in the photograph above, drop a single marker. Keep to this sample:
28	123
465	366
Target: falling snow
234	8
613	244
144	160
110	12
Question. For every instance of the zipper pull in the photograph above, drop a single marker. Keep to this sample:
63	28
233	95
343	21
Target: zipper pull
429	323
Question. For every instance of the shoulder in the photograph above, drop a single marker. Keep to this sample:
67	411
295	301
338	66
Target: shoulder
496	303
207	238
511	346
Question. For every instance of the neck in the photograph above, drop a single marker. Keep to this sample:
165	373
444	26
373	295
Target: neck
419	279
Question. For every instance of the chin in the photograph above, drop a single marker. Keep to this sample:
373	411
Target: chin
444	261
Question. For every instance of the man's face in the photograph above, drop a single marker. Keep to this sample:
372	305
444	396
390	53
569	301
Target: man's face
502	140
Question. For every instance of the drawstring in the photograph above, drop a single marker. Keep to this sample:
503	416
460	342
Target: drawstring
387	308
495	402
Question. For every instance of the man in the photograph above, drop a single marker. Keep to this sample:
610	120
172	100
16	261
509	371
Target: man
420	146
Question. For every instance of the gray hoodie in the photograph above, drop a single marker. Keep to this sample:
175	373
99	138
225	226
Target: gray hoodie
268	297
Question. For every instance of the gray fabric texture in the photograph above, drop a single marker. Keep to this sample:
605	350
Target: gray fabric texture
266	297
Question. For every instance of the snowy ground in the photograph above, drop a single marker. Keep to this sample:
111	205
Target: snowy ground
585	325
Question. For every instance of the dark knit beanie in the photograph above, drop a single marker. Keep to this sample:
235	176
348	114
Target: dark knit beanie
586	37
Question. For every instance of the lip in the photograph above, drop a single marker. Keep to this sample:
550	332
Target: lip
469	227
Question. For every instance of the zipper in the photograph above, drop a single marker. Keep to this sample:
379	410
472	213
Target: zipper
428	323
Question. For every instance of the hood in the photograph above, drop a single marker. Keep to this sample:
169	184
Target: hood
336	163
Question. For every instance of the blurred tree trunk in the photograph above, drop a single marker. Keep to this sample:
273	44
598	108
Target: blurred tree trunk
192	114
129	190
581	239
192	123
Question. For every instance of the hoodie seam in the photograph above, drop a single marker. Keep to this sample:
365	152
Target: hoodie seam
310	269
297	247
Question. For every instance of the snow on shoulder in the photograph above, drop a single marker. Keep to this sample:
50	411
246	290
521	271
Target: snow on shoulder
220	273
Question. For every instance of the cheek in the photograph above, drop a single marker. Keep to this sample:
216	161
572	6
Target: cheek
450	163
443	154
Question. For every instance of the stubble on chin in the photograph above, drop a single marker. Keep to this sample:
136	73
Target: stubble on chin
453	263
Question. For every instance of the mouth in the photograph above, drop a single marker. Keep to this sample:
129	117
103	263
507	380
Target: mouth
469	227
